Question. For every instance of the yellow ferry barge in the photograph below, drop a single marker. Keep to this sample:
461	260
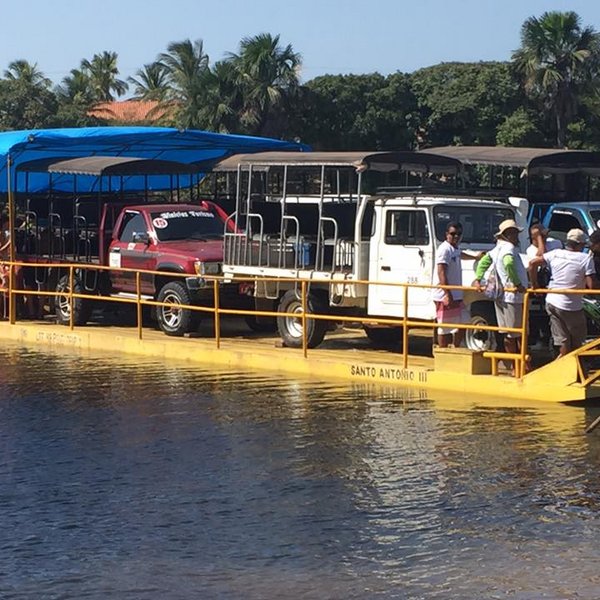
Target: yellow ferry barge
346	354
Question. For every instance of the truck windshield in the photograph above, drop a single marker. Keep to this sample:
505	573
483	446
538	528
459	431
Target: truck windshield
186	225
479	223
595	216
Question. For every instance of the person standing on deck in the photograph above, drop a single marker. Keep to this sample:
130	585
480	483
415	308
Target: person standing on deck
448	271
594	244
505	258
539	323
540	242
570	268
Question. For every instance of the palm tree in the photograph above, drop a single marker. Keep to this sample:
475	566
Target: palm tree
222	100
187	72
75	86
266	73
558	60
150	83
21	70
102	71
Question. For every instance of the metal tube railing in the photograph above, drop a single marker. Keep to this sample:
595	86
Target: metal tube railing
520	359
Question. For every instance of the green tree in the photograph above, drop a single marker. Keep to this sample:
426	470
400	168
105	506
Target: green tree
75	99
356	112
29	74
464	103
558	60
26	106
266	75
223	100
187	71
520	129
102	72
150	82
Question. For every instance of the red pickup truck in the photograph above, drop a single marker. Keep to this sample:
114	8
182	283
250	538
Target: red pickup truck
170	238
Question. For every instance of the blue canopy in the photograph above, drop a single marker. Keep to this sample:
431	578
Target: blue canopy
198	148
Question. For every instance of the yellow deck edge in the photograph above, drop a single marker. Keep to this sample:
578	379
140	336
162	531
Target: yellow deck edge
549	384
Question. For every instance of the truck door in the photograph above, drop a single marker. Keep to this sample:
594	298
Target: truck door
129	254
404	255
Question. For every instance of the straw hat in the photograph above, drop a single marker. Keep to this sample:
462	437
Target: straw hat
505	225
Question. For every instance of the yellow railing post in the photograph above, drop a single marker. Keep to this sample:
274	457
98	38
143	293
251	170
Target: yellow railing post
138	290
405	329
524	328
217	313
71	311
304	321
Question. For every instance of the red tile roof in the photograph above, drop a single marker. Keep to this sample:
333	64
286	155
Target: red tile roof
129	111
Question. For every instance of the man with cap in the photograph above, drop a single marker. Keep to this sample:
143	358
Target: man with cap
511	271
570	268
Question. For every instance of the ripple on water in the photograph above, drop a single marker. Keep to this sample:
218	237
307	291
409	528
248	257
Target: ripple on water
137	479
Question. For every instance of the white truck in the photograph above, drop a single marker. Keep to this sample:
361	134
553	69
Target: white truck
330	220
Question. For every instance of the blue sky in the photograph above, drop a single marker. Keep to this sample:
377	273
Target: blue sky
350	36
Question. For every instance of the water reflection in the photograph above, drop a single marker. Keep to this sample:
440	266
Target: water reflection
143	480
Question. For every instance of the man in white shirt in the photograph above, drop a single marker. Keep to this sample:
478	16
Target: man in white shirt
570	269
448	271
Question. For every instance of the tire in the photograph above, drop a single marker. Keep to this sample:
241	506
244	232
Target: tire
482	313
290	328
172	320
384	337
82	309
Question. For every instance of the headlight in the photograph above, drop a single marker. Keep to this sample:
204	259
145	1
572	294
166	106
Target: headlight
207	268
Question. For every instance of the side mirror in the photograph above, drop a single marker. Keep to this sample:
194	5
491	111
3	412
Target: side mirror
141	237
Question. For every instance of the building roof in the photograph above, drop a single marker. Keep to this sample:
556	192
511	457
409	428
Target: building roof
130	111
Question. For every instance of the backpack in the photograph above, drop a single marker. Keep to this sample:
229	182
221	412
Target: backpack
493	288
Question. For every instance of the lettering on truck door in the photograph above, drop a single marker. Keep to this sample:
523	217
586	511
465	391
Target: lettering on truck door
405	255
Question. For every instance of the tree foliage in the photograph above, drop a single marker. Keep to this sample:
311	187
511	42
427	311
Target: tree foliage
549	94
464	103
26	106
354	112
558	60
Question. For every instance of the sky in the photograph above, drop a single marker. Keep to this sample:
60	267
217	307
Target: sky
333	37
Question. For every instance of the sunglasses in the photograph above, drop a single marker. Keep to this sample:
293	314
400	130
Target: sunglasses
454	233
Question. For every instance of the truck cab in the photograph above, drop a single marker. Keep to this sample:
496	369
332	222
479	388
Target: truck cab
405	240
178	238
561	217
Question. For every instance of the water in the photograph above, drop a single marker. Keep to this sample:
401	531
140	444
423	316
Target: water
139	480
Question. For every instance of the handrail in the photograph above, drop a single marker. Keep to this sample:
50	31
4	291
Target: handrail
12	291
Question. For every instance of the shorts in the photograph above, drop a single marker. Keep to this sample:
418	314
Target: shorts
449	315
509	315
567	326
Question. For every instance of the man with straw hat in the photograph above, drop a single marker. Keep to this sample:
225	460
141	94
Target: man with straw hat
504	260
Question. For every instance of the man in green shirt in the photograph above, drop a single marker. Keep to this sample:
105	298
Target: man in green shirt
512	275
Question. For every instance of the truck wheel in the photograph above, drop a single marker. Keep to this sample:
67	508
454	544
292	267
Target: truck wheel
82	309
171	319
290	327
384	337
482	313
